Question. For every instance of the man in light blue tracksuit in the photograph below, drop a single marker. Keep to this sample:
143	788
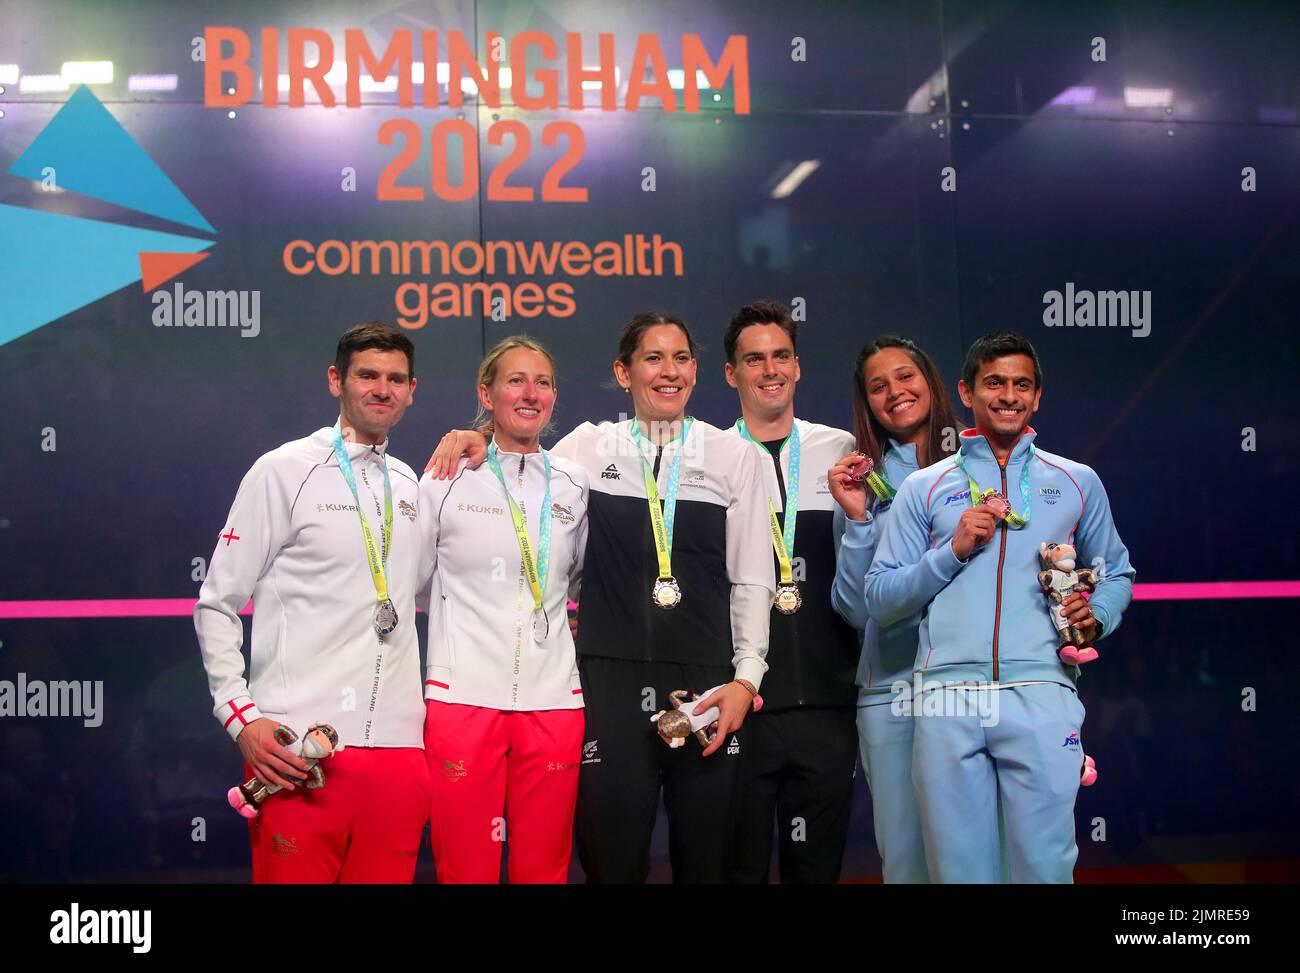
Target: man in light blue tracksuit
1006	722
888	656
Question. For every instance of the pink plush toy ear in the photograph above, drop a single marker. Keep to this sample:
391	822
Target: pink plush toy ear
235	798
1089	775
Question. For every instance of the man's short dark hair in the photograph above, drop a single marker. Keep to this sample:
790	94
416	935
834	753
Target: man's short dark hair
372	334
759	312
999	344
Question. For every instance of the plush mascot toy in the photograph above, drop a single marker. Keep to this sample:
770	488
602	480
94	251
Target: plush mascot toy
320	742
1058	579
676	724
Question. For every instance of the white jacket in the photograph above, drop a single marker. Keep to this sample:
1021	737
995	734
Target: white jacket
293	542
482	651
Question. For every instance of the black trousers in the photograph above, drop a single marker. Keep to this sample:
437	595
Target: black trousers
625	765
798	768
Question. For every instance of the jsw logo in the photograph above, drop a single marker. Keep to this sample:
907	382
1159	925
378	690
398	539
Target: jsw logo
1071	741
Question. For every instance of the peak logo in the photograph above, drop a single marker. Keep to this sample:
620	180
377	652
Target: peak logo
67	262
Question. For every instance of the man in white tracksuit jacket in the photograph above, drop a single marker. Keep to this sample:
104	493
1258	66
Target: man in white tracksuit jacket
325	645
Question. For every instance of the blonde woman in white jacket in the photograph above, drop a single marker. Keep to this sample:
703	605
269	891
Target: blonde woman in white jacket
503	549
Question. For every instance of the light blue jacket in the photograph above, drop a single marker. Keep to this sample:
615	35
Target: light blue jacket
985	619
888	652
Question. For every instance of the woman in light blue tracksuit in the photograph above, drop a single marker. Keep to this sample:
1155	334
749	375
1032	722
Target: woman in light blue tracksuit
900	414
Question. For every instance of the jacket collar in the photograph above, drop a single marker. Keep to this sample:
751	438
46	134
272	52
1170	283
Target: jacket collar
507	452
904	453
796	424
356	451
645	446
975	446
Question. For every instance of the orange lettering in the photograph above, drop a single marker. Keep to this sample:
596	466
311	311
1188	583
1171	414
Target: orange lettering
648	50
214	95
735	58
461	56
549	77
396	54
299	73
604	73
289	265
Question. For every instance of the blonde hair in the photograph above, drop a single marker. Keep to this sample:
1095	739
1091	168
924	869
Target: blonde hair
487	372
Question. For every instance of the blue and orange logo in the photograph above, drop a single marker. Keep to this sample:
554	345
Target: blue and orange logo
66	262
1071	741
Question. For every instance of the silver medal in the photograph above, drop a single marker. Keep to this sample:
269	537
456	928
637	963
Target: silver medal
541	627
385	618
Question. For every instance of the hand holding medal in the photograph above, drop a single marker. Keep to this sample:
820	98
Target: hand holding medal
845	481
996	503
976	526
860	465
851	478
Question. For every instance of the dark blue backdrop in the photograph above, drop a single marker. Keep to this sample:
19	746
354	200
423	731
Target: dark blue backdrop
1064	173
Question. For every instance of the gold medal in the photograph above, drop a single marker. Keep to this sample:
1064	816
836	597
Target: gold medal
667	593
788	598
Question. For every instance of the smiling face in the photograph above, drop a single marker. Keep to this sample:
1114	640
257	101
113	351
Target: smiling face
520	398
897	392
374	394
765	371
1003	398
660	374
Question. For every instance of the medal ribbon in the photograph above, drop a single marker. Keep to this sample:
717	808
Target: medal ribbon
536	570
782	540
661	519
1014	520
378	562
880	485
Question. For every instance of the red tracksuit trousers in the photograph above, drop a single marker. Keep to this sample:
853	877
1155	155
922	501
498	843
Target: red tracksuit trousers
495	770
363	826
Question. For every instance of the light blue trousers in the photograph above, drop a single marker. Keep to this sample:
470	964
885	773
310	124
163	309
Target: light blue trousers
885	741
1028	756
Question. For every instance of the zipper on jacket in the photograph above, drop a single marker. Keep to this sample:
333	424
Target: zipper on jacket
1002	554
